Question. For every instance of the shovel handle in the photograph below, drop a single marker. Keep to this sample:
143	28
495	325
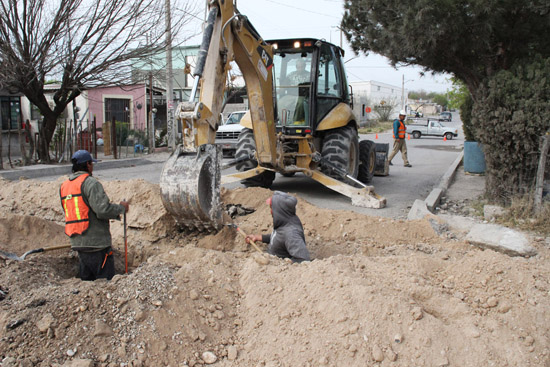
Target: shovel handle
51	248
251	241
43	249
125	242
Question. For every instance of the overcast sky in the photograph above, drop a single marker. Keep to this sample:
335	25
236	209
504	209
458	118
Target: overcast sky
319	19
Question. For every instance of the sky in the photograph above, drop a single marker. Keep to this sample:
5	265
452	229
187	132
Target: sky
321	19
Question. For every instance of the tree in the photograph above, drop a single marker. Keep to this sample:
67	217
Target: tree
458	94
80	43
385	108
440	99
513	116
470	39
460	98
474	41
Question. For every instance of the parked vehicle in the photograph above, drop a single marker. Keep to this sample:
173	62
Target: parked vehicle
446	116
227	134
431	127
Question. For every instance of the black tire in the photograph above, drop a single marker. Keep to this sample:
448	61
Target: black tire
341	148
449	136
381	168
367	161
245	147
417	134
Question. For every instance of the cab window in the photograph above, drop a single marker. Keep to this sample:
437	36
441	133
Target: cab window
329	78
329	82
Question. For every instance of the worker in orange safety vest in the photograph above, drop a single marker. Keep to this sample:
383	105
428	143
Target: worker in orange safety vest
87	211
399	143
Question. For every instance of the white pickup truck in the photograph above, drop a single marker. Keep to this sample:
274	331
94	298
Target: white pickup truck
430	127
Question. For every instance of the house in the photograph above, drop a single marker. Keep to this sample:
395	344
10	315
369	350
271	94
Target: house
153	72
126	104
184	58
367	94
11	113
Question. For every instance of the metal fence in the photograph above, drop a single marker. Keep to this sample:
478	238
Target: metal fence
115	139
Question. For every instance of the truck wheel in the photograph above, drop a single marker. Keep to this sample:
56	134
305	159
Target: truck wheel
449	136
341	148
417	134
246	146
367	161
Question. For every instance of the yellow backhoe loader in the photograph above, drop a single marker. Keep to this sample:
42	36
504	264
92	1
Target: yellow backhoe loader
300	120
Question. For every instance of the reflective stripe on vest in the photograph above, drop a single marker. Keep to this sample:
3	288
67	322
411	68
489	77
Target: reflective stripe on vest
76	210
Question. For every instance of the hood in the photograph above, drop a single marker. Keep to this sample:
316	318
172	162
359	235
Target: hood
230	128
284	209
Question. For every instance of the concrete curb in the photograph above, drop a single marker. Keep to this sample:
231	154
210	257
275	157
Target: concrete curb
421	208
435	195
65	169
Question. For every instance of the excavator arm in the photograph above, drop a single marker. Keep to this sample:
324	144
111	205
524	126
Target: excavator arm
190	180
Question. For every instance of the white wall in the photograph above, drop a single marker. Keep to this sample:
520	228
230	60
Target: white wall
372	93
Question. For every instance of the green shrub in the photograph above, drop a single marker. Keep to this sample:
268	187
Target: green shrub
466	117
510	115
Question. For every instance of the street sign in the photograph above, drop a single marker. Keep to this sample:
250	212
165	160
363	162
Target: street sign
368	110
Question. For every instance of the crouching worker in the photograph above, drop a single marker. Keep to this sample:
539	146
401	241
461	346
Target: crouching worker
287	239
87	211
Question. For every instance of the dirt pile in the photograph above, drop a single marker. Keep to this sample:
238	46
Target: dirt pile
379	292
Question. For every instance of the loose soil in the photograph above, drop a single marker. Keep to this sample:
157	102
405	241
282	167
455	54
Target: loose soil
379	292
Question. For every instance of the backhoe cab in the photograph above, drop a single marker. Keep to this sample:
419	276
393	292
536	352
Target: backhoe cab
314	119
300	120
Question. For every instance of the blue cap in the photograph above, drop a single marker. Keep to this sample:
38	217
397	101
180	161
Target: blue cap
83	156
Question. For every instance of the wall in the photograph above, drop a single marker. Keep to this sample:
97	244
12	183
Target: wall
135	93
370	93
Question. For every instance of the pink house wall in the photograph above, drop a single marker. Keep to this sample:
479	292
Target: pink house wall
135	93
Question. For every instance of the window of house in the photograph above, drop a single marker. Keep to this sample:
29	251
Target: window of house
117	108
35	113
10	112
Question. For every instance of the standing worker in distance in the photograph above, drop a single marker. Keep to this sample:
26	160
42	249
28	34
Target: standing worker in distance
87	211
287	239
399	143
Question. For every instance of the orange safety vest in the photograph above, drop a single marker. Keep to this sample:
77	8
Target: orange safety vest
401	130
76	210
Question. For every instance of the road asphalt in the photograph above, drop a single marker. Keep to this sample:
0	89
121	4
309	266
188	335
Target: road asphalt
108	162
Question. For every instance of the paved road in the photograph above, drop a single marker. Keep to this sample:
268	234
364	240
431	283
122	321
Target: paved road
429	156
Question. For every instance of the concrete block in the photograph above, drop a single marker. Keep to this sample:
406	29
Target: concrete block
500	239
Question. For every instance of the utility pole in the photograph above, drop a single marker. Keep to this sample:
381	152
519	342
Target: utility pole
170	128
403	92
151	124
151	127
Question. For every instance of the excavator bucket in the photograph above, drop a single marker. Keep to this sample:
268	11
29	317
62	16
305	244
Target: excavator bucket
190	187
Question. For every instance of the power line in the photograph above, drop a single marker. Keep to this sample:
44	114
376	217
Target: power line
305	10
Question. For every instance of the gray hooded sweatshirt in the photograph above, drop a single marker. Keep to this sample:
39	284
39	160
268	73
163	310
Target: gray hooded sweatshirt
287	239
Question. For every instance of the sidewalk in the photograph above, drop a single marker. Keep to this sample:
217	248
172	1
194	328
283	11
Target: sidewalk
104	162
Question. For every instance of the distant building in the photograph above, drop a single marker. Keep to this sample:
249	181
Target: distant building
368	94
184	60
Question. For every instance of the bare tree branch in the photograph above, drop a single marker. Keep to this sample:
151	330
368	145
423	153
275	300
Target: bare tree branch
79	44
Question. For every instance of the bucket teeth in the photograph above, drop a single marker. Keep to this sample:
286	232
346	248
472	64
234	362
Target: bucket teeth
190	187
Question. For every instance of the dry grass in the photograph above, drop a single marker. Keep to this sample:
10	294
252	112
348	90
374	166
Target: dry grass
376	127
521	214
